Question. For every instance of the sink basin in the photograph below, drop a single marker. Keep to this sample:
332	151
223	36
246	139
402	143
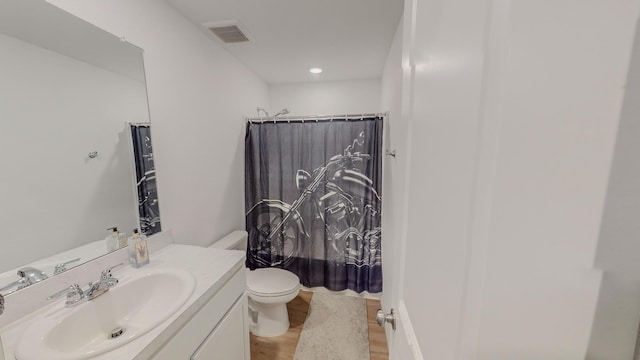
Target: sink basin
141	301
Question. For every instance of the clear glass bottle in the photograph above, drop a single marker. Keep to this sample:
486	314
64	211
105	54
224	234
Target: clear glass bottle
138	251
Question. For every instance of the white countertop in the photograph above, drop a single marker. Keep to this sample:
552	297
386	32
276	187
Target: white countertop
212	268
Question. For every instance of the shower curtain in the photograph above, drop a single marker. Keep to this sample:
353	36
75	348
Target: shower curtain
148	207
313	200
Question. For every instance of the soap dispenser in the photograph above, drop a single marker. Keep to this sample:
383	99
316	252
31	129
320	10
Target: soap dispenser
122	240
135	237
112	239
138	250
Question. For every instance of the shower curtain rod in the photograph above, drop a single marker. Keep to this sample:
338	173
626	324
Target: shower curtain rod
314	118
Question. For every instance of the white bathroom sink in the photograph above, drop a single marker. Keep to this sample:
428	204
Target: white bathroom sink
142	300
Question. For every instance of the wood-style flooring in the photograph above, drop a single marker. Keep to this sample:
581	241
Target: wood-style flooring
377	340
283	347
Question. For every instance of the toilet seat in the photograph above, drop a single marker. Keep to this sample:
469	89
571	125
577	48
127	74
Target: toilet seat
271	282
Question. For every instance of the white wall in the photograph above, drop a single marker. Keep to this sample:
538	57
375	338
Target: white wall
53	113
198	94
514	108
326	98
615	326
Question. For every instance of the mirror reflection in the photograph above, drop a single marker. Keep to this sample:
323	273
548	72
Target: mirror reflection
73	107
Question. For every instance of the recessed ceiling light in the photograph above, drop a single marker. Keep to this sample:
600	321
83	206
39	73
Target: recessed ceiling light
315	70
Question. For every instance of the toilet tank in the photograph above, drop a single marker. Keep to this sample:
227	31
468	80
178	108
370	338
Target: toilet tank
236	240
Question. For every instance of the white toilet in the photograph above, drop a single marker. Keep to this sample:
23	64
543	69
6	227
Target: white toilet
269	290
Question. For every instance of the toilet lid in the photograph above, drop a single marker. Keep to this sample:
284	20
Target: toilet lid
271	282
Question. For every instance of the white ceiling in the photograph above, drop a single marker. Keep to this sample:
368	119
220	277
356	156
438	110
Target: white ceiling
349	39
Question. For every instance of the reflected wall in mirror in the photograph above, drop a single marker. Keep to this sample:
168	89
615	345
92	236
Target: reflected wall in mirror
68	93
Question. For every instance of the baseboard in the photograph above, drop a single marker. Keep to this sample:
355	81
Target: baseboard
410	335
364	294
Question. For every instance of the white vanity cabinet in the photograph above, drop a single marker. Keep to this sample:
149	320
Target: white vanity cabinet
219	330
225	341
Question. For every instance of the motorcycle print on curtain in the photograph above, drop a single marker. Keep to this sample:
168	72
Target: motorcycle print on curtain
313	200
148	206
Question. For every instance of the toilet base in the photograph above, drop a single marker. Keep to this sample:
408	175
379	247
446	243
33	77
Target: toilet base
273	319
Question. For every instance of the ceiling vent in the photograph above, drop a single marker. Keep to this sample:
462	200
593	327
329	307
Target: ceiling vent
229	32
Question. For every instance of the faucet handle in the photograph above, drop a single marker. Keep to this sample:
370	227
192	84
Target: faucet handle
74	287
74	294
106	273
62	267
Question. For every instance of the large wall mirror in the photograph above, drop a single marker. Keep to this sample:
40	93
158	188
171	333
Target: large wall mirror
72	97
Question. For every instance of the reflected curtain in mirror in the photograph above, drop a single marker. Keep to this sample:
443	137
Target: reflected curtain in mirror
145	179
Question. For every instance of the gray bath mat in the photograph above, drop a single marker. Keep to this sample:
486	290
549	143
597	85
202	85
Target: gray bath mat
335	329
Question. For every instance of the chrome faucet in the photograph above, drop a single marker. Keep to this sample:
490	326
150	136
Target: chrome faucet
28	276
31	276
76	296
106	282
